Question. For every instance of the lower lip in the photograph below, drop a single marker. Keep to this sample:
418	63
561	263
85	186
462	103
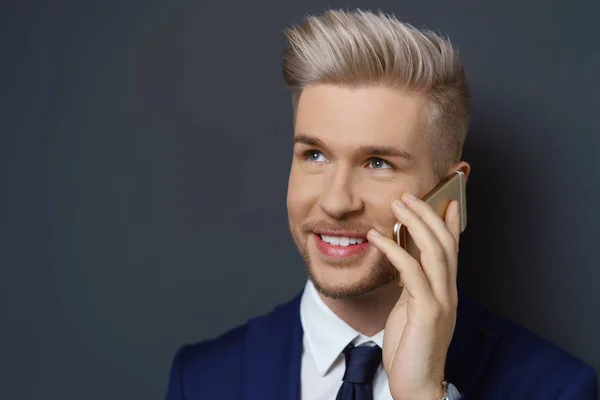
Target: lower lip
340	252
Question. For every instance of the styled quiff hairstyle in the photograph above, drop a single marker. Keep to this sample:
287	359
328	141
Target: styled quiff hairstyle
362	48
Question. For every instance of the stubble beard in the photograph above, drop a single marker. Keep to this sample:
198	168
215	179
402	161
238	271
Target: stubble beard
380	274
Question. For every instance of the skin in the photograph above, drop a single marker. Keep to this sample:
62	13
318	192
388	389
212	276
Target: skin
337	185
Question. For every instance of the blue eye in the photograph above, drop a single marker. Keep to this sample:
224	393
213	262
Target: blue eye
315	156
378	163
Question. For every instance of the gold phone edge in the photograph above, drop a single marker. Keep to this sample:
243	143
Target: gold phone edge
397	238
463	215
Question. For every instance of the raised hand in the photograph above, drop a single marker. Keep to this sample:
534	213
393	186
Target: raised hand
420	327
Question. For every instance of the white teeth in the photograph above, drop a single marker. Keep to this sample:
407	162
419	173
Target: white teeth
341	241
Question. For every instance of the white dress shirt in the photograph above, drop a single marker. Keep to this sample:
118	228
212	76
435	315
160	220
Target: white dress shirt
323	362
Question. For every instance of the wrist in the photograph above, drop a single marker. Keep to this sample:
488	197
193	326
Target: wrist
436	391
432	389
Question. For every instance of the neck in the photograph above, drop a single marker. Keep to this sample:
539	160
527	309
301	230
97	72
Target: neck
367	313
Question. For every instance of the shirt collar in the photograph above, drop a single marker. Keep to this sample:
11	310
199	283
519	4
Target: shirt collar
325	334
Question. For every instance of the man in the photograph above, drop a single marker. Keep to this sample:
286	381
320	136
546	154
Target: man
381	114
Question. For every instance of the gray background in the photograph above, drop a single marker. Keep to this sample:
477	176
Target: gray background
145	148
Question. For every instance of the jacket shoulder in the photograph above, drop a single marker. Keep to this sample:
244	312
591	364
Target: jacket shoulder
523	361
198	368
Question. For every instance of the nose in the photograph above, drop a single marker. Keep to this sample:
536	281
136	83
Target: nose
340	197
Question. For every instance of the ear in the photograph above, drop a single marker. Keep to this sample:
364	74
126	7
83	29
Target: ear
463	166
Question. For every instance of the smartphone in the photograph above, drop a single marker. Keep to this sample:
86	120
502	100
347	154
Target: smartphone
453	187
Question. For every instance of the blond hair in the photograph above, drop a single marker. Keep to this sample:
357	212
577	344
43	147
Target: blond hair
362	48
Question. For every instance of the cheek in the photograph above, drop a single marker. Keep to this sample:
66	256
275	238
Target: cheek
379	206
378	198
302	194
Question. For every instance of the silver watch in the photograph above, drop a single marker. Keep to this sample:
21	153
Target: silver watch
445	388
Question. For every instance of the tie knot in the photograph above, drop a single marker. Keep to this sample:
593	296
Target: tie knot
361	363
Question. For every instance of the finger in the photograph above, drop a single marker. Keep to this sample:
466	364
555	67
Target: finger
452	220
413	277
444	232
433	256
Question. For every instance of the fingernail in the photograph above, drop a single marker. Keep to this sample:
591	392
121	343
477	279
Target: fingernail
410	197
374	233
399	204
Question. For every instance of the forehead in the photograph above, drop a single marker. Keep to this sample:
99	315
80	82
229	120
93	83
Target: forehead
358	116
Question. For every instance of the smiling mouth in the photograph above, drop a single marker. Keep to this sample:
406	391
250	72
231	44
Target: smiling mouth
342	241
334	247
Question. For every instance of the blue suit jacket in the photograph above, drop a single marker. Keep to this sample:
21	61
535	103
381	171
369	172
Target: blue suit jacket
489	358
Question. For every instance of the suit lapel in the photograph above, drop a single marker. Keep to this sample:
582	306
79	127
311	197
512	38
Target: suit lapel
475	336
273	350
273	354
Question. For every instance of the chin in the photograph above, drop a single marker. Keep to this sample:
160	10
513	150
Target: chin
349	281
343	277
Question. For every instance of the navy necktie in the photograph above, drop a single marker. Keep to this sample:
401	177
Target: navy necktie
361	364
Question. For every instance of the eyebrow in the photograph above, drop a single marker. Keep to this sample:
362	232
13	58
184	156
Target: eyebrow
389	151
